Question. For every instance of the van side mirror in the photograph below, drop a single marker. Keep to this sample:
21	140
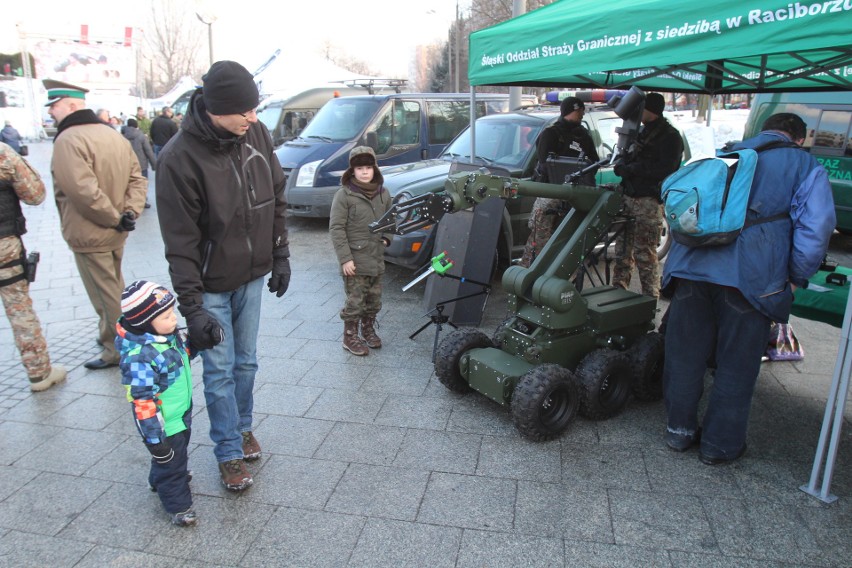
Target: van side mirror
372	139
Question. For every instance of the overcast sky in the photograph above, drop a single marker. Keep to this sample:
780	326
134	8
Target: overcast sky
380	32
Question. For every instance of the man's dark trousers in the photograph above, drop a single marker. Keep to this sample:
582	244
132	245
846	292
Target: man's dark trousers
712	322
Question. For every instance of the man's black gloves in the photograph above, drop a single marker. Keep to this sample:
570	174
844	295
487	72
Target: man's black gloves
162	452
204	330
280	279
127	222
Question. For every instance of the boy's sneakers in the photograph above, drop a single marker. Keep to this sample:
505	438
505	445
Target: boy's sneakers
251	448
56	375
235	476
185	519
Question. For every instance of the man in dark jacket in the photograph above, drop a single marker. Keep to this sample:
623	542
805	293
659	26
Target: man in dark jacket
220	201
657	153
725	297
162	130
566	137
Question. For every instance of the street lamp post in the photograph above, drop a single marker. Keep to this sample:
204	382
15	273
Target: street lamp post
208	20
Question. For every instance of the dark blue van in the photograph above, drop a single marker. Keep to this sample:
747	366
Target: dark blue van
400	127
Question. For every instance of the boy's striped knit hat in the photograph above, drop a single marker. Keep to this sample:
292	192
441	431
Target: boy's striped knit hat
142	301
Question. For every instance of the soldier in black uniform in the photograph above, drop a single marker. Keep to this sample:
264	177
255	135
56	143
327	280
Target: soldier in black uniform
565	137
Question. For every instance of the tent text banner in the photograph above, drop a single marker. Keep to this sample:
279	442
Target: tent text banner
726	46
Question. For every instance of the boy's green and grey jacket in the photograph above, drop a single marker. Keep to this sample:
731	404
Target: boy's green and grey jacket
155	369
351	213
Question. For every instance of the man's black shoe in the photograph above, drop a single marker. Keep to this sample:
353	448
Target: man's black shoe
681	442
99	363
718	460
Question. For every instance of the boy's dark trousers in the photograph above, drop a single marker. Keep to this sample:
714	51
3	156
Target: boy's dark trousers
170	480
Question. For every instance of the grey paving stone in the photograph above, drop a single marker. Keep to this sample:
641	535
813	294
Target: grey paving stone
48	502
89	412
605	465
71	451
292	436
469	501
335	376
277	326
328	331
361	443
475	414
14	478
345	406
327	351
392	544
19	439
129	462
38	408
518	458
98	523
683	473
295	482
281	371
229	529
22	549
747	533
101	556
564	510
661	520
694	560
411	382
378	491
500	550
439	451
309	539
602	555
415	412
291	400
280	347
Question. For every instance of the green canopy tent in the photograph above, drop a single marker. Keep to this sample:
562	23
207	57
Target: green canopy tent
727	46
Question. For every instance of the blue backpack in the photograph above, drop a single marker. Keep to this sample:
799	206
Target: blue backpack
706	201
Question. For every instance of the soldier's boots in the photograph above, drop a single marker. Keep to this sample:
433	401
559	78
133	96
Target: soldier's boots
56	375
368	332
352	342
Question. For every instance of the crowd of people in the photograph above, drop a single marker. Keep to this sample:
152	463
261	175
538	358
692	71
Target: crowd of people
221	211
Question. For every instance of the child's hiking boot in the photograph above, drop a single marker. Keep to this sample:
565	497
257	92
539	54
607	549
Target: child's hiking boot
251	447
352	342
368	332
184	519
235	476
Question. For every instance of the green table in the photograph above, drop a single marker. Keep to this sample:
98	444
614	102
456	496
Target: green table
827	307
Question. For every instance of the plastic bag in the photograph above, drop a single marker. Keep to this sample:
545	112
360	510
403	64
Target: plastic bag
783	344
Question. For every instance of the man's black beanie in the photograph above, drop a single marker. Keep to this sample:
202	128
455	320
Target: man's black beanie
229	89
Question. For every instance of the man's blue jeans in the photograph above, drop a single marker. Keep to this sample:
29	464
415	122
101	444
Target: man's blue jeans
708	322
230	367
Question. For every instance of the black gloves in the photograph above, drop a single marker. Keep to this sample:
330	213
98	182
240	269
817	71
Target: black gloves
127	222
162	452
619	170
280	279
204	330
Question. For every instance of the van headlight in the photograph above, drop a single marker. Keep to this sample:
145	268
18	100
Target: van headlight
307	173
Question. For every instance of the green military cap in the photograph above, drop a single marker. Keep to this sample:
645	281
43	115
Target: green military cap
57	90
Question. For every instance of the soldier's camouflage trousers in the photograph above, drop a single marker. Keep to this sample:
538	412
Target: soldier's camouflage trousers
545	216
19	309
363	297
637	245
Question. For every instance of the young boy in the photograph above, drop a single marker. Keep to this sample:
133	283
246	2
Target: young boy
155	368
360	200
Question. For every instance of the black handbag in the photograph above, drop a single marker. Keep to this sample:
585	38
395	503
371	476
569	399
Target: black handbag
24	150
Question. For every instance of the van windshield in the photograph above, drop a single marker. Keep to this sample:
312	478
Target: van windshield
341	119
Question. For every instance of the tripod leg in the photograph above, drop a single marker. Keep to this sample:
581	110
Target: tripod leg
435	344
421	328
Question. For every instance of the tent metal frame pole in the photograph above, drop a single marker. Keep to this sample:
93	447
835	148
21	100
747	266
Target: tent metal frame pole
833	419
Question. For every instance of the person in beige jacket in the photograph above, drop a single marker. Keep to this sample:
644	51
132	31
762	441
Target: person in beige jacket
360	200
99	191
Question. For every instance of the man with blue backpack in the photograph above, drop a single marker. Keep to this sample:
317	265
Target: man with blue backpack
725	295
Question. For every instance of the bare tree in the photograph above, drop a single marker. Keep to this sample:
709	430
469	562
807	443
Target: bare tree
173	40
333	53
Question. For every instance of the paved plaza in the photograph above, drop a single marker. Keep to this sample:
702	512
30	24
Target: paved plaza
370	461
